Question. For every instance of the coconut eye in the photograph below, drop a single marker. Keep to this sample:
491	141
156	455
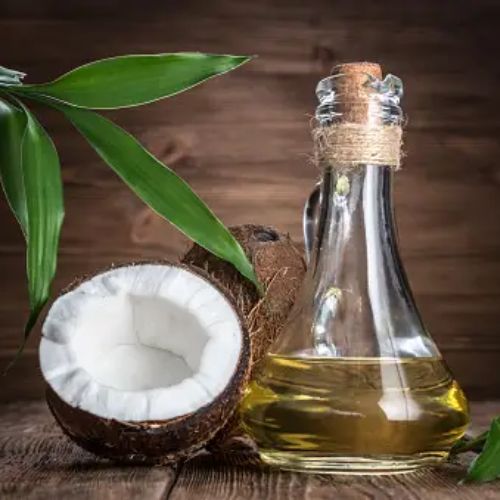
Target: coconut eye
265	235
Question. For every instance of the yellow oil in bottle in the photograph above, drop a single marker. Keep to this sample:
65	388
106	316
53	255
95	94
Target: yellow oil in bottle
354	414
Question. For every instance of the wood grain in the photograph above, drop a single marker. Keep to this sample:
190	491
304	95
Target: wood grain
205	480
38	462
243	143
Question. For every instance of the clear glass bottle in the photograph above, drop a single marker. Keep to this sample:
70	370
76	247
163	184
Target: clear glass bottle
354	384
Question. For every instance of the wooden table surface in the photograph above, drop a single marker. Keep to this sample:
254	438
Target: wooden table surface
38	462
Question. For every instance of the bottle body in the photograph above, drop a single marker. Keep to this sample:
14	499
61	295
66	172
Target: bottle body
368	415
354	382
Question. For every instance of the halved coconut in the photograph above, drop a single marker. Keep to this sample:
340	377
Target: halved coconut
145	363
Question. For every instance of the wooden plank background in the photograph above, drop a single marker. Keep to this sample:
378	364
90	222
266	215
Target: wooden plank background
243	143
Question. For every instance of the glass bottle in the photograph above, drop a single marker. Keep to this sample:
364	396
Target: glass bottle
354	384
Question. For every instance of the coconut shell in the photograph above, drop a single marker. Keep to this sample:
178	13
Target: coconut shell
155	442
279	267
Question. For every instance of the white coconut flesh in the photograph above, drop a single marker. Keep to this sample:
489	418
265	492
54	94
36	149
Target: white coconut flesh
143	342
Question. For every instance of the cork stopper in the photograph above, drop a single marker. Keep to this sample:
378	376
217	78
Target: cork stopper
358	135
355	100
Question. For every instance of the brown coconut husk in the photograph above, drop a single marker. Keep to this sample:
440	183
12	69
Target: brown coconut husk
280	268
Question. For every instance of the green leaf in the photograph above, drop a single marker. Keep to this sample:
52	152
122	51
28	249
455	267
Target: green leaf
159	187
45	212
133	80
12	127
486	467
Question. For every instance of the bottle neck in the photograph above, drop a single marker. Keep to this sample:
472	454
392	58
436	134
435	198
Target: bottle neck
353	207
355	204
356	274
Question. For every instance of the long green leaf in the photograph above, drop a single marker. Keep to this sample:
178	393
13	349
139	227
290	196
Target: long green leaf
12	128
133	80
486	467
45	212
159	187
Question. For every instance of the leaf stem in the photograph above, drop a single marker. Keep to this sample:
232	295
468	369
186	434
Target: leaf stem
470	444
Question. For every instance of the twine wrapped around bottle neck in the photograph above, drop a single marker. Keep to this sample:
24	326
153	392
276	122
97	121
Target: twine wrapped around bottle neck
358	136
345	146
